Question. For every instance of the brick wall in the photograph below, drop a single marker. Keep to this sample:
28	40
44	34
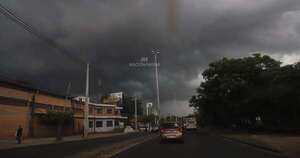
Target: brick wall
15	93
78	125
43	130
10	118
15	110
46	99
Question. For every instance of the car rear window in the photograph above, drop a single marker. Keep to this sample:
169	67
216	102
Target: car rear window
169	125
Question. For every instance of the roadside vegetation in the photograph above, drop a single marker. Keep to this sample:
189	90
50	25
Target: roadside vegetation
255	92
58	119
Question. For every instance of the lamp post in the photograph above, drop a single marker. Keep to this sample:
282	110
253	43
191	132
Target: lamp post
155	53
148	112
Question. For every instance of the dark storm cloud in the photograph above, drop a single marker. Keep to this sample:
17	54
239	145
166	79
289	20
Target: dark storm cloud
111	34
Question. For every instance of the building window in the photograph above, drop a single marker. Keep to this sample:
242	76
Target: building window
99	110
109	123
68	109
116	123
116	112
91	124
58	108
90	110
109	111
99	124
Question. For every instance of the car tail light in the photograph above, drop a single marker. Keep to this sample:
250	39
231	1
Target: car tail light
179	129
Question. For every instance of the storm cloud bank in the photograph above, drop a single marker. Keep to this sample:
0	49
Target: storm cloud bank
111	34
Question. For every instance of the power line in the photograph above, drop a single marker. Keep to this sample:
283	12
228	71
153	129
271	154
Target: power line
32	30
29	28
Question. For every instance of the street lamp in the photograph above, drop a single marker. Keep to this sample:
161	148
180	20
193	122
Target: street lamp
155	53
149	112
148	105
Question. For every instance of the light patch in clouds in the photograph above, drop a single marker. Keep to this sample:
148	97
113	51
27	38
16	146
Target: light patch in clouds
287	59
196	81
178	108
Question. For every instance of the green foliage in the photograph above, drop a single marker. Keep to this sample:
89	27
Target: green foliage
148	119
56	117
129	107
236	91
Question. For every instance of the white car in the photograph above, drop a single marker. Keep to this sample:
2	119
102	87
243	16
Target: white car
128	129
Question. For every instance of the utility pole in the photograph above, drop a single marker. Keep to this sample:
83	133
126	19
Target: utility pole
86	106
68	90
175	99
135	112
155	53
67	94
147	114
147	109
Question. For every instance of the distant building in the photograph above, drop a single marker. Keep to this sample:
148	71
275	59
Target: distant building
80	98
113	98
103	117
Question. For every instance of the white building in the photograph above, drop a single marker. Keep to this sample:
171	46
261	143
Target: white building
104	117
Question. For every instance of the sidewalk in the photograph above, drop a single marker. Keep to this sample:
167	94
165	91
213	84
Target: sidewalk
288	145
9	144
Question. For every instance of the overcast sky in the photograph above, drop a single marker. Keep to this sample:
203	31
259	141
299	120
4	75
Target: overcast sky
112	34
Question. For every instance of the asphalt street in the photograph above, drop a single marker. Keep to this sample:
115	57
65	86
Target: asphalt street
197	145
65	149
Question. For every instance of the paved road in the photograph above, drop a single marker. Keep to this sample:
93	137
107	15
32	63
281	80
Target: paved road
197	145
66	148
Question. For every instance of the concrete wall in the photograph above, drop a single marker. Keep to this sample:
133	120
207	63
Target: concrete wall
93	111
104	127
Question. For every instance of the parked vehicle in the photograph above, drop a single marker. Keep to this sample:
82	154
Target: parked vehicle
128	129
190	123
155	128
171	131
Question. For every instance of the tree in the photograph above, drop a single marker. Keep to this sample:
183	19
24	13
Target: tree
236	91
149	120
58	119
129	107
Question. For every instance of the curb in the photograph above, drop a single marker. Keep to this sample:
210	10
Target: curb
11	145
252	144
